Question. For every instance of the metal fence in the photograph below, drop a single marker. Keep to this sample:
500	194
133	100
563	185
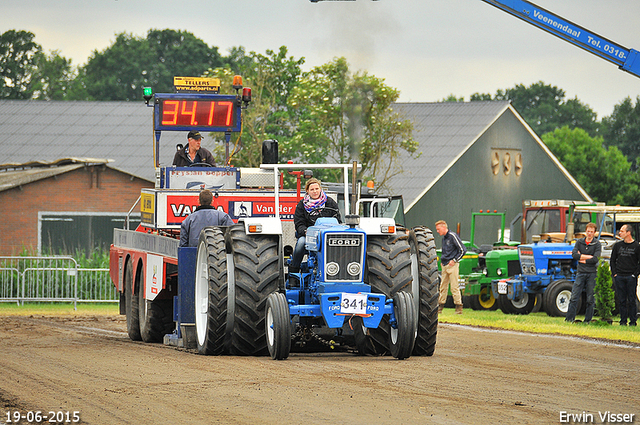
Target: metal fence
53	279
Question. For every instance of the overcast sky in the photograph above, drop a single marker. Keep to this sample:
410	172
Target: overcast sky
426	48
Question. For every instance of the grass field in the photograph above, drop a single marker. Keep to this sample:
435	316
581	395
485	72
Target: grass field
536	322
542	323
59	309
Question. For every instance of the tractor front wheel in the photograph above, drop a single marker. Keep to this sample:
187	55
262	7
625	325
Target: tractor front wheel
278	326
523	305
388	271
484	300
402	337
556	298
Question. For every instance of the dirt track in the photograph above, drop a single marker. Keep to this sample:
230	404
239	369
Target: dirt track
88	364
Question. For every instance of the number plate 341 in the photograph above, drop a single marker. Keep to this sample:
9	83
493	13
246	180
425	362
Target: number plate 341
353	303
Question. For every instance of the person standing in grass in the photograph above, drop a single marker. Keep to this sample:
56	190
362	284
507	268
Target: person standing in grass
452	252
586	251
625	266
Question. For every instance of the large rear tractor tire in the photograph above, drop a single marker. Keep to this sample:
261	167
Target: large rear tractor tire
425	289
131	303
556	298
278	326
403	336
211	292
388	271
236	297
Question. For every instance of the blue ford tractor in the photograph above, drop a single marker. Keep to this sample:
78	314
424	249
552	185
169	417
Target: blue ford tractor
330	289
367	286
548	269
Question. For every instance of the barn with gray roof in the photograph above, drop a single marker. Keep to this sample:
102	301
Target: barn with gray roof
476	156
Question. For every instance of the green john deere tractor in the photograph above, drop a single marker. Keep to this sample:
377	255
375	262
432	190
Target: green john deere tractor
484	263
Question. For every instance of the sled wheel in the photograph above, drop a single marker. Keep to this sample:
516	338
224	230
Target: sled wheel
131	303
154	316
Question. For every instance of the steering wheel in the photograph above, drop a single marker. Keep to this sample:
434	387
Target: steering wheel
200	164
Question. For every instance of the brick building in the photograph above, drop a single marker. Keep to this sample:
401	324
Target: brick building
53	204
64	205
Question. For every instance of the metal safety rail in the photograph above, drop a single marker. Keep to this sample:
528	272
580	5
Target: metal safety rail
55	278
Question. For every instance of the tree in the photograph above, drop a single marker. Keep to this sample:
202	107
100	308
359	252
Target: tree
116	73
603	173
18	53
622	129
130	63
342	117
543	107
452	98
272	77
177	53
53	77
605	296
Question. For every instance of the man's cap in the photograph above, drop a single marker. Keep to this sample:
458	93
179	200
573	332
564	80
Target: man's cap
194	135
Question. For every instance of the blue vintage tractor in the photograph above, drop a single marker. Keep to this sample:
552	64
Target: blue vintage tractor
548	269
330	289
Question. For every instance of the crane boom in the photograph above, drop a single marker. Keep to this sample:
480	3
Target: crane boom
626	59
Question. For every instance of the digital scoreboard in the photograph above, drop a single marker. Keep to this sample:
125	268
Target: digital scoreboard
197	111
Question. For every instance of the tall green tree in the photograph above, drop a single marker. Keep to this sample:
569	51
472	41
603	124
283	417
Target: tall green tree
603	173
177	53
272	76
121	70
53	78
622	129
342	117
118	72
545	109
18	55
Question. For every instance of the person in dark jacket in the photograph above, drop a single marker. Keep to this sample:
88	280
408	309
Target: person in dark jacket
452	252
586	251
205	215
625	266
193	153
313	205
